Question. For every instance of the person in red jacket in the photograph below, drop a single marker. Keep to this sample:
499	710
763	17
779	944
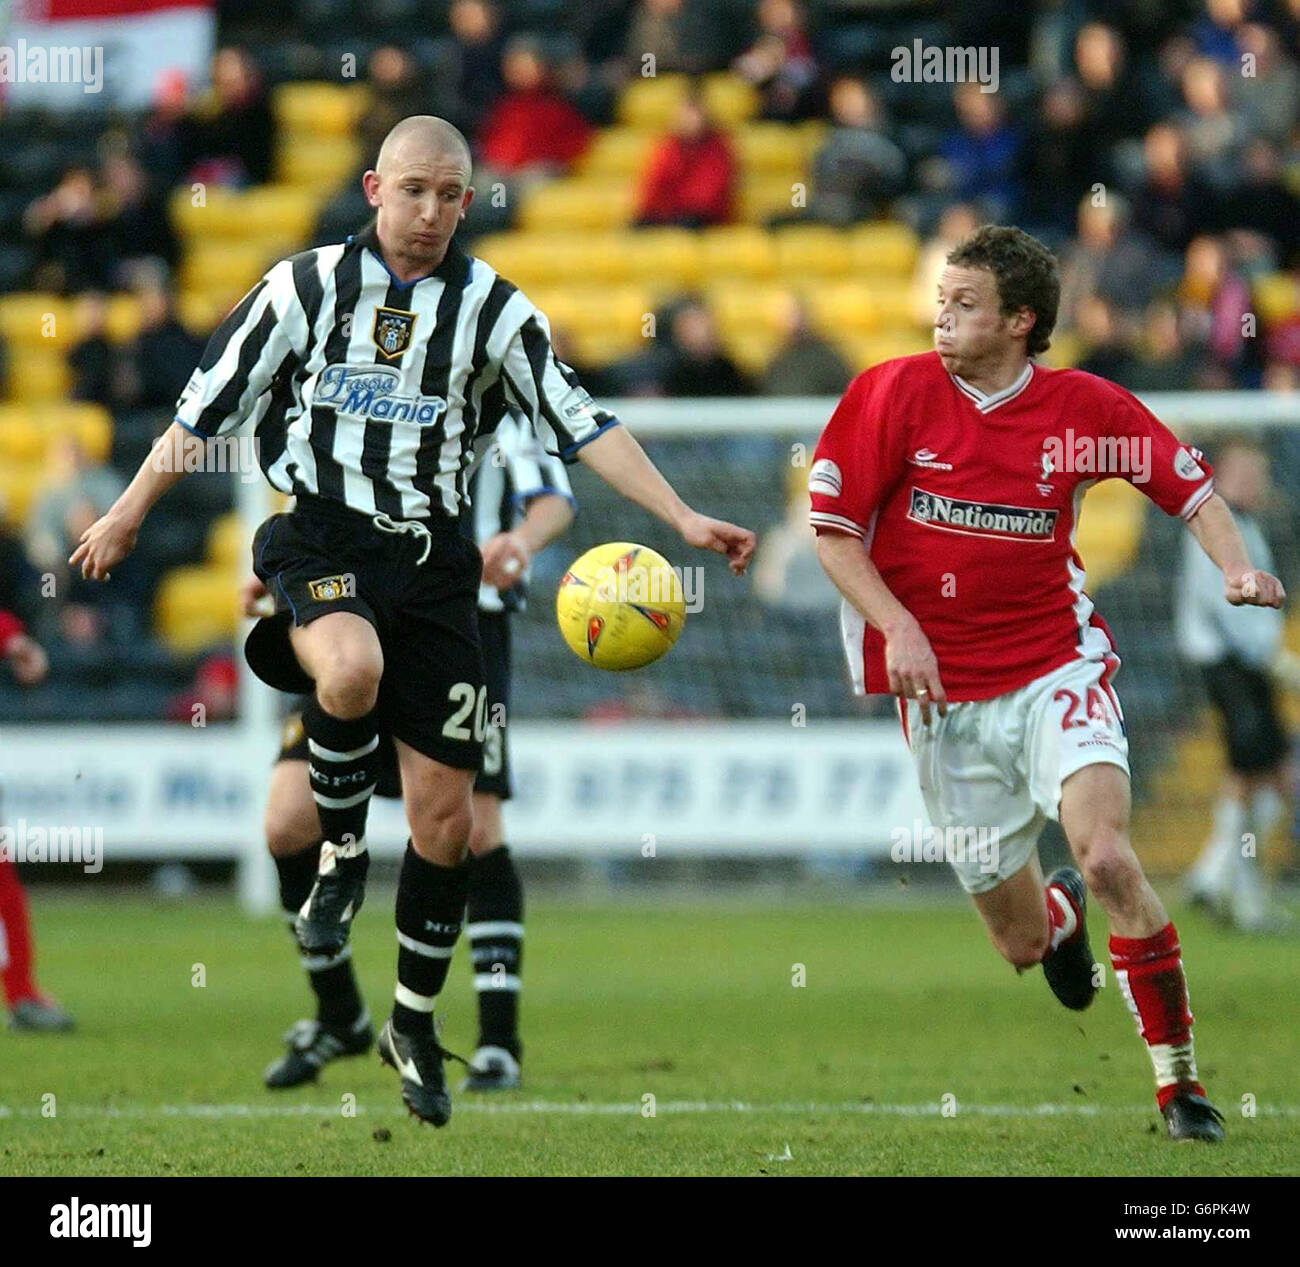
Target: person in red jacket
532	125
28	1008
691	179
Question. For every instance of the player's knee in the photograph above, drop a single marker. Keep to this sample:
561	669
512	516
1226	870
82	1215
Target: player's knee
1022	948
288	832
347	685
1109	866
441	829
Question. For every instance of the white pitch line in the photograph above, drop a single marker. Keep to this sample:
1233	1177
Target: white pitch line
584	1108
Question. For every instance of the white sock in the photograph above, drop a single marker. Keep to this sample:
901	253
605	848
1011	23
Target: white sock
1212	872
1266	809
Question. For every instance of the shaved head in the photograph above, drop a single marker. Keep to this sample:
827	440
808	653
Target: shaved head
420	189
422	134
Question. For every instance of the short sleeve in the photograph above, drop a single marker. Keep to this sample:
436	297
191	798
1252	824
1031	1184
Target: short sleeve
1172	474
858	459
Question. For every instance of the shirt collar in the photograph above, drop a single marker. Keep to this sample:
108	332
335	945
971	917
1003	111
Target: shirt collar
454	267
985	403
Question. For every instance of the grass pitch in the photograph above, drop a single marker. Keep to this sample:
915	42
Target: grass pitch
697	1007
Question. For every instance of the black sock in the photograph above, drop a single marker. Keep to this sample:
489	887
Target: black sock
430	911
338	1001
494	925
343	764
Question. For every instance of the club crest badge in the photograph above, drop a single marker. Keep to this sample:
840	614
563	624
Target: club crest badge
329	588
393	329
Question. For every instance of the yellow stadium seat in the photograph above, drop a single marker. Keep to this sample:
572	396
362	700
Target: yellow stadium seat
39	375
1277	297
887	248
91	424
533	260
600	347
123	321
20	482
729	100
201	311
621	152
1067	350
892	302
812	250
741	306
318	109
34	320
228	543
197	606
322	164
664	257
843	307
865	350
282	212
22	438
752	350
229	265
1110	529
649	103
736	251
812	136
771	148
762	197
577	203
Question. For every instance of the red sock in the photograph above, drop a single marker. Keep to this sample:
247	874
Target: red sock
1060	924
1150	975
15	938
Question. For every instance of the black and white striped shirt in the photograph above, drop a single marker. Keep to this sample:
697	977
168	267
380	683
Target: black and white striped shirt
370	391
509	475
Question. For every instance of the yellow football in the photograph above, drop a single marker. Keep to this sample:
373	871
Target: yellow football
620	606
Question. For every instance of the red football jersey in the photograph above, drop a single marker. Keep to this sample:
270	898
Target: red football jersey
968	504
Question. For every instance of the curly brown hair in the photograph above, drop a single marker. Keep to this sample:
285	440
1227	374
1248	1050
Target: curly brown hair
1025	272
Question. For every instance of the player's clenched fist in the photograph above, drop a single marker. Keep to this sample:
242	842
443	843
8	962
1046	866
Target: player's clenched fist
1254	589
913	670
103	546
724	538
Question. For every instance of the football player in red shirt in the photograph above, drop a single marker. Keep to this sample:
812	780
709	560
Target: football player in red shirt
945	492
28	1008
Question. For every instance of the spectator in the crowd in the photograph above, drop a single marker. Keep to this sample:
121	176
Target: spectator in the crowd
1213	133
76	494
136	210
466	78
1117	101
982	154
1107	352
787	574
780	63
956	223
1060	159
699	366
691	178
75	244
858	170
1213	299
1271	95
1262	201
532	130
213	695
395	89
158	362
1217	31
805	364
231	132
96	369
164	133
1110	259
1172	205
1162	360
675	35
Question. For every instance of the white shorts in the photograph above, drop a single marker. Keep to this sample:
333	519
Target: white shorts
991	770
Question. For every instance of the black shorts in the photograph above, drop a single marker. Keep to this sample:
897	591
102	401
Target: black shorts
324	558
1248	711
494	777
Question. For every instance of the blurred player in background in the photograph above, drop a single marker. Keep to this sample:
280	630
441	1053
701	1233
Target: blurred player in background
945	490
28	1007
1238	653
517	477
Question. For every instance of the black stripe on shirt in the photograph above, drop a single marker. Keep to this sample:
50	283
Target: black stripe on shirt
436	381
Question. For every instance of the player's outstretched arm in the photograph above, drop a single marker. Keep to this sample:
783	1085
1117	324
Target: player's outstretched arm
1216	530
622	463
506	555
909	658
111	538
